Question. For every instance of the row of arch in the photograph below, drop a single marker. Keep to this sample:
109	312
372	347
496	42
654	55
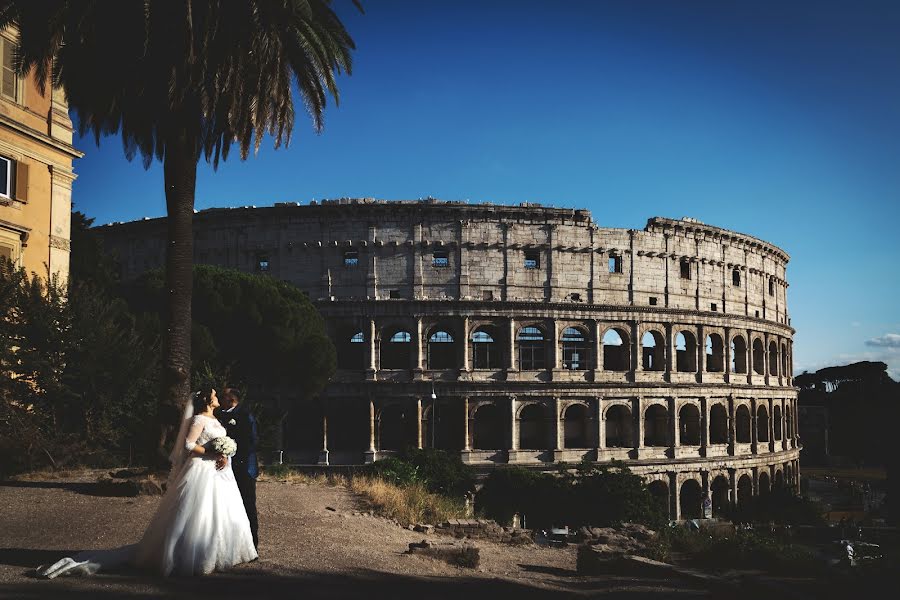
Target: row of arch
490	426
690	493
487	346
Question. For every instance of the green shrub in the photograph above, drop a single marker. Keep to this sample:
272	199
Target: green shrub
441	472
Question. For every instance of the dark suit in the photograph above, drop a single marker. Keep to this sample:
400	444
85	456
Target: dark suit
244	463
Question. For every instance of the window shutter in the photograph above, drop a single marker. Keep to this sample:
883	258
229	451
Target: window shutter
21	181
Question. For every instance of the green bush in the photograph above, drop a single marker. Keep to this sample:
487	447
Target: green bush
441	472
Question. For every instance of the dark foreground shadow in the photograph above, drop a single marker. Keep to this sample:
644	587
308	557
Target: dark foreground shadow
81	488
268	584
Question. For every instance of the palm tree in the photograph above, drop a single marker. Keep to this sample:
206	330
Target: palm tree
182	79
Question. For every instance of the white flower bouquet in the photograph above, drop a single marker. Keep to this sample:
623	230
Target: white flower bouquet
223	445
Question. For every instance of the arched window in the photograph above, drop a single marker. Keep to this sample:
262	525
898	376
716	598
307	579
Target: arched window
685	352
351	351
744	491
393	428
762	424
788	423
689	425
653	352
396	353
531	349
776	422
441	351
576	426
738	355
485	354
656	426
719	488
618	427
616	351
718	425
773	359
715	353
488	428
763	483
759	357
784	362
742	425
691	499
533	428
660	493
575	350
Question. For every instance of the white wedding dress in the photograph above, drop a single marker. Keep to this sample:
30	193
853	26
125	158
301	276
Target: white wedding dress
200	526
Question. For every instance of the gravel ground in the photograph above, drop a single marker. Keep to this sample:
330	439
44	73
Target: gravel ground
311	546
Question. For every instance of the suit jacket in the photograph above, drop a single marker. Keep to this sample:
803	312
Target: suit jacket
243	431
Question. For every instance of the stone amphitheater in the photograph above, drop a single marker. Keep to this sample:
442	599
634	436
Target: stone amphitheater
528	335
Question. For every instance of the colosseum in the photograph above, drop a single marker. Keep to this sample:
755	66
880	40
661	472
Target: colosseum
528	335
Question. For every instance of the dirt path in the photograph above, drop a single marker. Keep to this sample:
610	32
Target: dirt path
311	546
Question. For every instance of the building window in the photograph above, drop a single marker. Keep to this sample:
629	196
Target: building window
615	263
262	263
652	300
575	297
532	259
531	349
440	258
7	175
713	307
351	258
9	87
394	294
771	287
736	277
685	268
487	295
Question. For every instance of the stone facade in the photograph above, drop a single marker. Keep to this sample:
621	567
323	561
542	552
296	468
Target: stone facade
529	335
36	176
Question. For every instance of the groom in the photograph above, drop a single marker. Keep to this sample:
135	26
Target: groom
241	427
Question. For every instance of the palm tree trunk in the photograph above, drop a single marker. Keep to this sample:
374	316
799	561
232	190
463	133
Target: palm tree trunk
180	174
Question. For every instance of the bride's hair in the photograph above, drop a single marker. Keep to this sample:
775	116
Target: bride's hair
201	399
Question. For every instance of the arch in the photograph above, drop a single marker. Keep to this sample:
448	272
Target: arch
788	423
784	361
691	500
656	426
759	357
441	350
789	474
763	483
659	491
689	425
351	350
738	354
773	359
616	350
715	353
776	422
533	427
762	424
532	348
653	351
442	426
396	352
486	353
575	426
393	428
488	427
779	479
575	349
685	352
744	491
718	424
618	427
742	425
719	492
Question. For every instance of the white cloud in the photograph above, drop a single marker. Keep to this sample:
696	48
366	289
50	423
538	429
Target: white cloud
888	340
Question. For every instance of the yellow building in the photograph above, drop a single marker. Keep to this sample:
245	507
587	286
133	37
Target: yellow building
36	176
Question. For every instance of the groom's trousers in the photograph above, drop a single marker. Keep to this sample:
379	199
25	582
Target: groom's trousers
247	486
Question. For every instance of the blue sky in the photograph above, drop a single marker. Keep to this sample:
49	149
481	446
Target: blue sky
776	119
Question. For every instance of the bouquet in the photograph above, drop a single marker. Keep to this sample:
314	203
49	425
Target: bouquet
223	445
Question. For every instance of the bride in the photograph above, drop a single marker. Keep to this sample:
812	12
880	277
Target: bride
200	526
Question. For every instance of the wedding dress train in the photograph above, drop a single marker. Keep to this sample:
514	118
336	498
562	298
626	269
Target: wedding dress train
199	527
